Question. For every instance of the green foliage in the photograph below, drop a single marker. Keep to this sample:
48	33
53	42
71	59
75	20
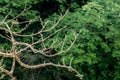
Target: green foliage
96	53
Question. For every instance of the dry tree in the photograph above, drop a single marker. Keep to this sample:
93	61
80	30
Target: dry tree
19	48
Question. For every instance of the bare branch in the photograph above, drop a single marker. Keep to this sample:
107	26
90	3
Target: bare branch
19	47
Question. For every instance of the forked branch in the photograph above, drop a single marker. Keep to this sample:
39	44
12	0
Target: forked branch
19	47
